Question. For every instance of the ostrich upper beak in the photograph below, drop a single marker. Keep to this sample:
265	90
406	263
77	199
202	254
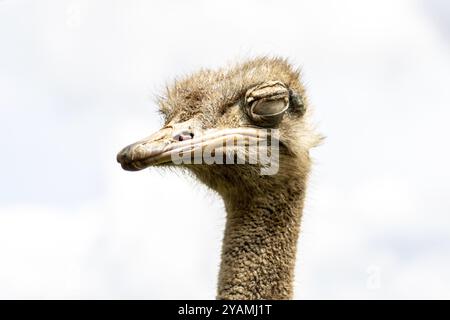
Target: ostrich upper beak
179	141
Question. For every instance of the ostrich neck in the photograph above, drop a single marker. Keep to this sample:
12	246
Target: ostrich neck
260	241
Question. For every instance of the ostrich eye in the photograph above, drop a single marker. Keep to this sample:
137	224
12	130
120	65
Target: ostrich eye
266	103
268	108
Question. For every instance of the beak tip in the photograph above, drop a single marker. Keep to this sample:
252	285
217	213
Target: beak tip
122	155
123	158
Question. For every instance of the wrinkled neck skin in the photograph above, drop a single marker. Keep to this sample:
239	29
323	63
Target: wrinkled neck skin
260	240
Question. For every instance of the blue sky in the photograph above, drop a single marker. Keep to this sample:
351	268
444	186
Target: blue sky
77	83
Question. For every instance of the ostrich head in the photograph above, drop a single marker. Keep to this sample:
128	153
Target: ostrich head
261	99
207	109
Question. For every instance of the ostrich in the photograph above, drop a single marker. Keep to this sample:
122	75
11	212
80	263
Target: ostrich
263	211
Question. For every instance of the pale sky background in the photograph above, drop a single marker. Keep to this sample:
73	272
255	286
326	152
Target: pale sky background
77	81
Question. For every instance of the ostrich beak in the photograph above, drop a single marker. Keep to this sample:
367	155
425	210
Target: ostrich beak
148	151
178	141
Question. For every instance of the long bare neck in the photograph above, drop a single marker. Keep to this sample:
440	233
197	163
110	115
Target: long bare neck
260	241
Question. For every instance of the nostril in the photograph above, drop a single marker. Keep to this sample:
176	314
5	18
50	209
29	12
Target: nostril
183	136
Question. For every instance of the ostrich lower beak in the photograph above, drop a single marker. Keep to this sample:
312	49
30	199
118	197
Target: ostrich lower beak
169	145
